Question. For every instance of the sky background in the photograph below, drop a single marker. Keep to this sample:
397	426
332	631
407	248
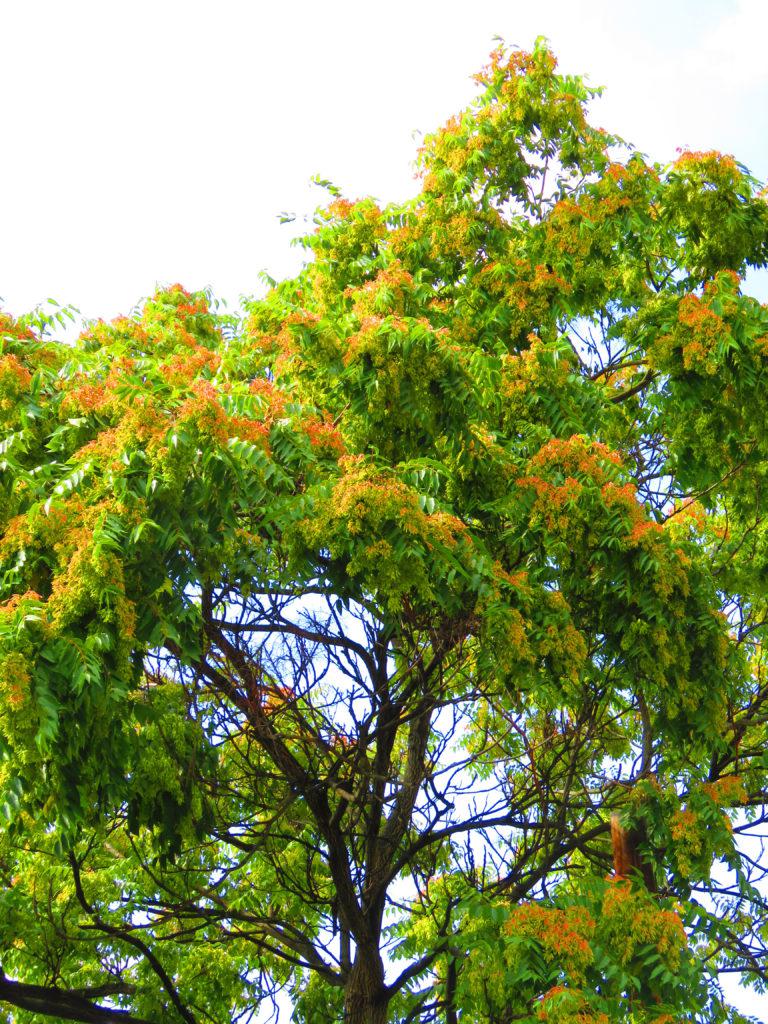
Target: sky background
158	142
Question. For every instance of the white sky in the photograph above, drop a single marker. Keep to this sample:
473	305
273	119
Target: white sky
145	142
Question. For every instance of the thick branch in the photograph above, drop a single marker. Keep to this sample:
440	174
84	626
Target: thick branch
282	625
651	375
55	1002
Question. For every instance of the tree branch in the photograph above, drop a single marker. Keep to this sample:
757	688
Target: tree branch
55	1002
132	940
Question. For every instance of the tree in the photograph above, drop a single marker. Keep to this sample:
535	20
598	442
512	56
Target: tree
337	639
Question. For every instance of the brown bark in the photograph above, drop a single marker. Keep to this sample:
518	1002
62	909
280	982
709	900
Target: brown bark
365	997
54	1002
626	856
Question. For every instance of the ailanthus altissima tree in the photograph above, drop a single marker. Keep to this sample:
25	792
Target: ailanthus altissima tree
334	638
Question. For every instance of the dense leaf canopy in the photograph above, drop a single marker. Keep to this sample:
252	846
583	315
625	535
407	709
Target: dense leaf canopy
335	638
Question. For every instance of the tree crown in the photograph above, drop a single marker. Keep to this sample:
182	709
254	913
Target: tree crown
335	638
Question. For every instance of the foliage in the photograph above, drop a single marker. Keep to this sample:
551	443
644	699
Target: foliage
332	637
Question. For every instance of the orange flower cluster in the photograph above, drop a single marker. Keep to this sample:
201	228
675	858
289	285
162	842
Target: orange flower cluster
370	499
17	709
515	580
105	448
585	235
145	421
564	935
14	382
716	166
576	454
254	431
340	209
374	521
323	435
86	399
100	334
355	229
726	792
701	331
553	500
451	236
12	329
14	377
86	393
180	369
287	342
567	239
388	292
691	514
529	292
518	62
196	308
630	919
271	398
204	411
640	526
562	643
585	464
17	602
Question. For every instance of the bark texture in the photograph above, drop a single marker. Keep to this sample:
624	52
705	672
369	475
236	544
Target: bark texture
366	999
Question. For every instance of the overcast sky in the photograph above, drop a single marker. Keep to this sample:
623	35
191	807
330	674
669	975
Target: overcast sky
155	142
146	142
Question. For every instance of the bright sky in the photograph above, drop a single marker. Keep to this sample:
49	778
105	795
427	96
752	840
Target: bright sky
155	142
158	141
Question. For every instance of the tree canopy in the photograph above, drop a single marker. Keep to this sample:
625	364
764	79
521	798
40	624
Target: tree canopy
398	644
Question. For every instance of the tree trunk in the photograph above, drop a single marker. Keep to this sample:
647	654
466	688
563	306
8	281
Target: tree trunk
365	998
